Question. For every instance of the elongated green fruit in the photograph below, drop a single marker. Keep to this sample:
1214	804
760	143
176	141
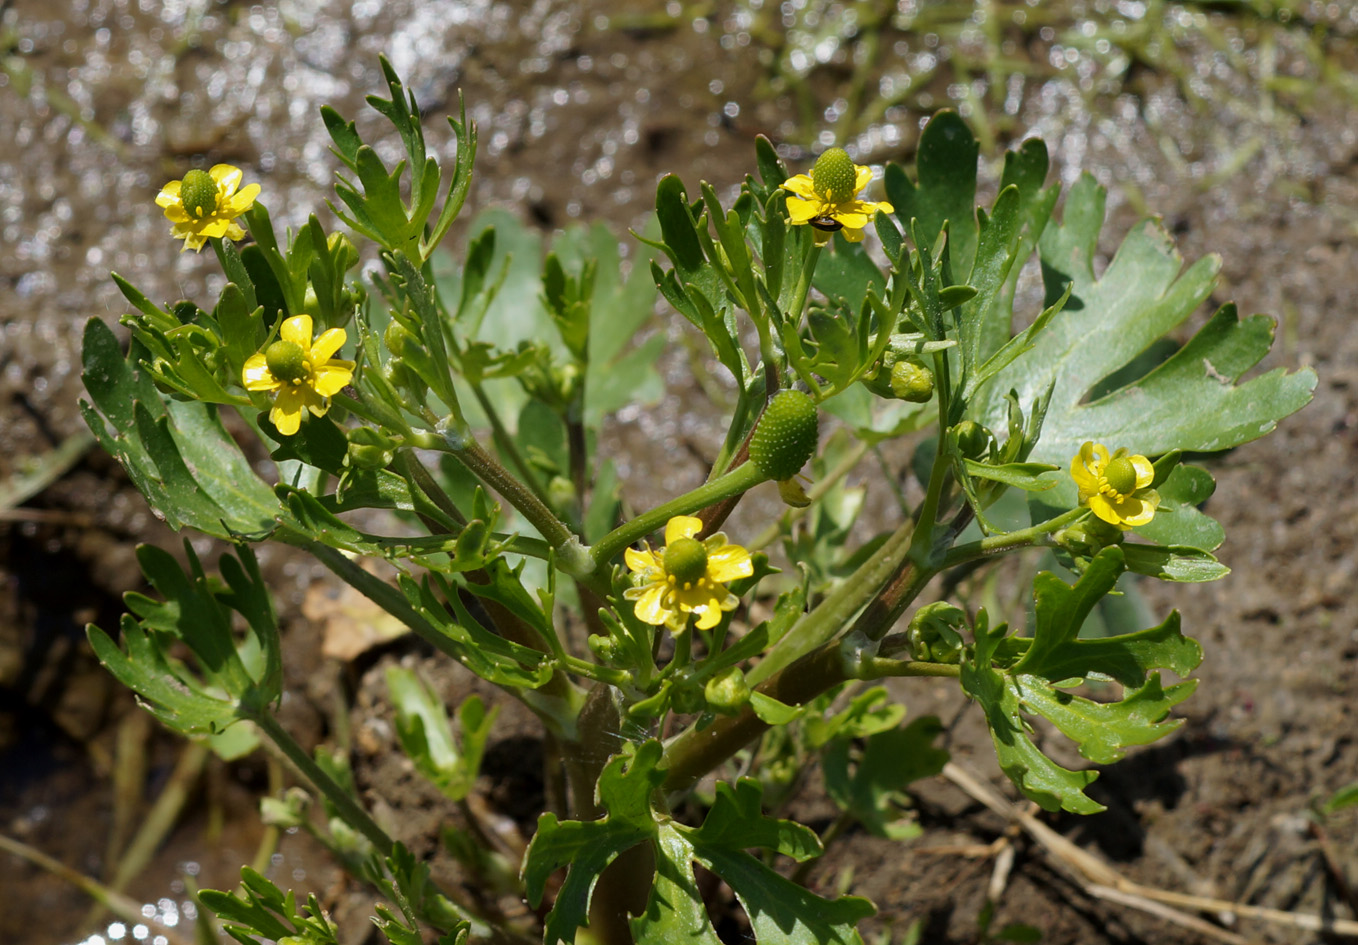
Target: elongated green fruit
786	435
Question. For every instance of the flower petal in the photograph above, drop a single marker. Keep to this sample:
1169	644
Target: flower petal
286	414
256	374
728	564
802	186
640	560
804	211
227	178
1100	506
325	347
650	608
682	526
862	176
709	616
1145	472
332	377
297	329
169	194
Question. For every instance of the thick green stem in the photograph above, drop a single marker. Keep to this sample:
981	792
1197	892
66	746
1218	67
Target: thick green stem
738	480
350	810
833	613
696	752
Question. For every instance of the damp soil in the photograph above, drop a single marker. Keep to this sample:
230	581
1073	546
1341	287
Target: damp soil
1249	151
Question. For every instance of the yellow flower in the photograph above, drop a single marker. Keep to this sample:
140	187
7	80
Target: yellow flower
303	372
205	204
827	198
687	577
1116	488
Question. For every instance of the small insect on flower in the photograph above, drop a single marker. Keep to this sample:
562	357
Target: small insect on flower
303	374
687	577
1116	487
827	198
205	205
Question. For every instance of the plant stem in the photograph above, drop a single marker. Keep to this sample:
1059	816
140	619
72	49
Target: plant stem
344	802
735	482
833	613
694	753
995	544
505	443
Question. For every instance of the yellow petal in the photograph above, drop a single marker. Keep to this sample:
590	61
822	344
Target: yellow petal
852	218
237	204
709	616
802	186
227	177
862	176
1145	472
728	564
1099	505
682	526
650	608
804	211
169	194
297	329
331	378
853	236
256	375
286	414
326	346
640	560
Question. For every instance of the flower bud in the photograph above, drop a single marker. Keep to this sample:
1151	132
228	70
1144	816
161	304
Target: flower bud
727	692
342	251
370	448
973	440
786	435
912	382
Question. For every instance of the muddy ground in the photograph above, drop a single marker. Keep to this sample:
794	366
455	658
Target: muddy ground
1239	130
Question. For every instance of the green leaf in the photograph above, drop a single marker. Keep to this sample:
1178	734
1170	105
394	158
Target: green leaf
779	911
1192	401
946	192
1051	661
870	786
625	788
427	737
1032	477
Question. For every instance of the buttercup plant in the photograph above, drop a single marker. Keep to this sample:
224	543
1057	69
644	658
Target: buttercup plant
476	425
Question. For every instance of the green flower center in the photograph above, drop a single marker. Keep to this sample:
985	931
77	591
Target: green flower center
686	562
833	176
1120	475
198	194
286	361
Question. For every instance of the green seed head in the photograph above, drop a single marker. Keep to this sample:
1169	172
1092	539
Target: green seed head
786	435
1121	475
686	562
833	176
286	361
198	194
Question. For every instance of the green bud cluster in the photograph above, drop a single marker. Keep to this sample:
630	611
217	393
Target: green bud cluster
786	435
